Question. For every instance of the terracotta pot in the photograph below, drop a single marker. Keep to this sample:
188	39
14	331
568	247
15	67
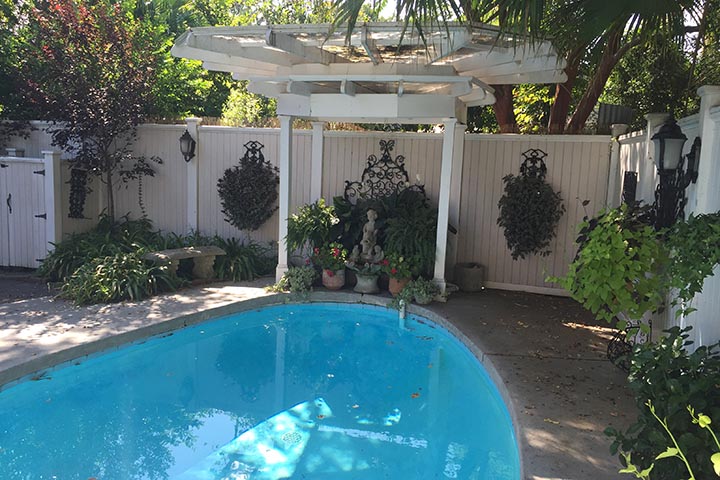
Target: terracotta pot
366	283
397	284
333	280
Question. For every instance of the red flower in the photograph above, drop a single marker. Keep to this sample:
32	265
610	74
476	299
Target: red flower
336	252
393	270
316	250
307	261
386	262
330	273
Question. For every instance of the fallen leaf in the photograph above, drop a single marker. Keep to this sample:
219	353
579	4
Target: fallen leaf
549	420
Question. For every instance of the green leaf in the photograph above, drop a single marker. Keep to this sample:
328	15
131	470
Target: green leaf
715	459
670	452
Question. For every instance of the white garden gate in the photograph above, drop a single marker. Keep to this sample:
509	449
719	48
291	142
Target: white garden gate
27	212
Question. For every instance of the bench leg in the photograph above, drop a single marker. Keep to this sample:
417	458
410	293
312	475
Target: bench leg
173	266
203	267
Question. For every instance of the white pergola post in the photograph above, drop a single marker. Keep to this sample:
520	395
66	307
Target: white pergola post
192	124
455	193
444	202
318	132
284	200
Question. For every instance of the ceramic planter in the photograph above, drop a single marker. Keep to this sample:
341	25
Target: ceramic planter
366	283
397	284
333	280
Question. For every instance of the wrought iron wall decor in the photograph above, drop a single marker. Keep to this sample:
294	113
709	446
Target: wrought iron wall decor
79	190
629	190
381	177
248	192
529	208
533	164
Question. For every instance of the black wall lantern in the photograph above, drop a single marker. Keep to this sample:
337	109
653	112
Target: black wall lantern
187	146
674	177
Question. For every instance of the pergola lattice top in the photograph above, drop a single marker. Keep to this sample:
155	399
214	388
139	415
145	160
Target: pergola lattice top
379	75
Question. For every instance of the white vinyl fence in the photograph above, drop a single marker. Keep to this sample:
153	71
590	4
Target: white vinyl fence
577	168
634	153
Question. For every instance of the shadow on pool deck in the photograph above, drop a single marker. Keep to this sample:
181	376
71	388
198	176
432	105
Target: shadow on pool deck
549	352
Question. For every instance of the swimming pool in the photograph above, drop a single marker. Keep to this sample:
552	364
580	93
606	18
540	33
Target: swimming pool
314	391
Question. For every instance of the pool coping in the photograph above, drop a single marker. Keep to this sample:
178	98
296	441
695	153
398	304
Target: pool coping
36	366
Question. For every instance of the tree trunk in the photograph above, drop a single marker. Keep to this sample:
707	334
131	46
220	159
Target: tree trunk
563	93
109	195
614	51
503	108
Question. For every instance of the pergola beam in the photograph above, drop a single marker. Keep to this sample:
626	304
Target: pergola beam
296	48
370	46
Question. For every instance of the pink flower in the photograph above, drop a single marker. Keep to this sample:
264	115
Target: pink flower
336	252
307	261
393	270
330	273
386	262
316	250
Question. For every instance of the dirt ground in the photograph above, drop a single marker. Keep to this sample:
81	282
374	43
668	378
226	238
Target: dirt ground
21	284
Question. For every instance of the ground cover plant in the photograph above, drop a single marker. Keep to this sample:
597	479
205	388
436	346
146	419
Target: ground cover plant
106	263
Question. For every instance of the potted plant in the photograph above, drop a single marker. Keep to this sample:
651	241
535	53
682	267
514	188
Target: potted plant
423	290
367	276
331	259
400	270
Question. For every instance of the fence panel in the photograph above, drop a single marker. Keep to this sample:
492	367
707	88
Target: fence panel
577	168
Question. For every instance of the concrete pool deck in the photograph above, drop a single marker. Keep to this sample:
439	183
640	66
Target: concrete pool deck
548	352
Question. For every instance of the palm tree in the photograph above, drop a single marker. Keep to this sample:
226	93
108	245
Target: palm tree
587	32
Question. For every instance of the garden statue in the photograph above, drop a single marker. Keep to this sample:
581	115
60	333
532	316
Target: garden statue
371	252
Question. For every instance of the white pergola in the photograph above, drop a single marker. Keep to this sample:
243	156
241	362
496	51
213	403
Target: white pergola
377	75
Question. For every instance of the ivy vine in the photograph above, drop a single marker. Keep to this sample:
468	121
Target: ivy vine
529	209
248	192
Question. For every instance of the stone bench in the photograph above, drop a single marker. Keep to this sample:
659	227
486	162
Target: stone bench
203	259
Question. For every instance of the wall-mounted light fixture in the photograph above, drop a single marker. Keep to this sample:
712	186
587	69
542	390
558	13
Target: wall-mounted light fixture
674	177
187	146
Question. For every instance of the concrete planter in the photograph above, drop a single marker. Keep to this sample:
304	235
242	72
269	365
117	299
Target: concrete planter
470	277
366	283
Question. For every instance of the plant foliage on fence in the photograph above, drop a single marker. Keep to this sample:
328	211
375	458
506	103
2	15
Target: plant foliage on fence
529	209
249	191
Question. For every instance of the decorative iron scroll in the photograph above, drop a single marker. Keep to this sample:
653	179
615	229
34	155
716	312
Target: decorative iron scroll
533	164
620	346
253	151
382	176
629	189
78	191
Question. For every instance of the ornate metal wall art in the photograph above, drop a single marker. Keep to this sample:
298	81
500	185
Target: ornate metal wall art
382	176
253	152
533	164
78	192
629	190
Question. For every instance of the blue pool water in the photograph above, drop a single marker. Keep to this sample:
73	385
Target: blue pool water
319	391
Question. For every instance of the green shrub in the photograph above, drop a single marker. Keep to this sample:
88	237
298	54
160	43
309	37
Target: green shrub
107	238
242	261
694	247
672	379
122	276
296	280
315	223
618	270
